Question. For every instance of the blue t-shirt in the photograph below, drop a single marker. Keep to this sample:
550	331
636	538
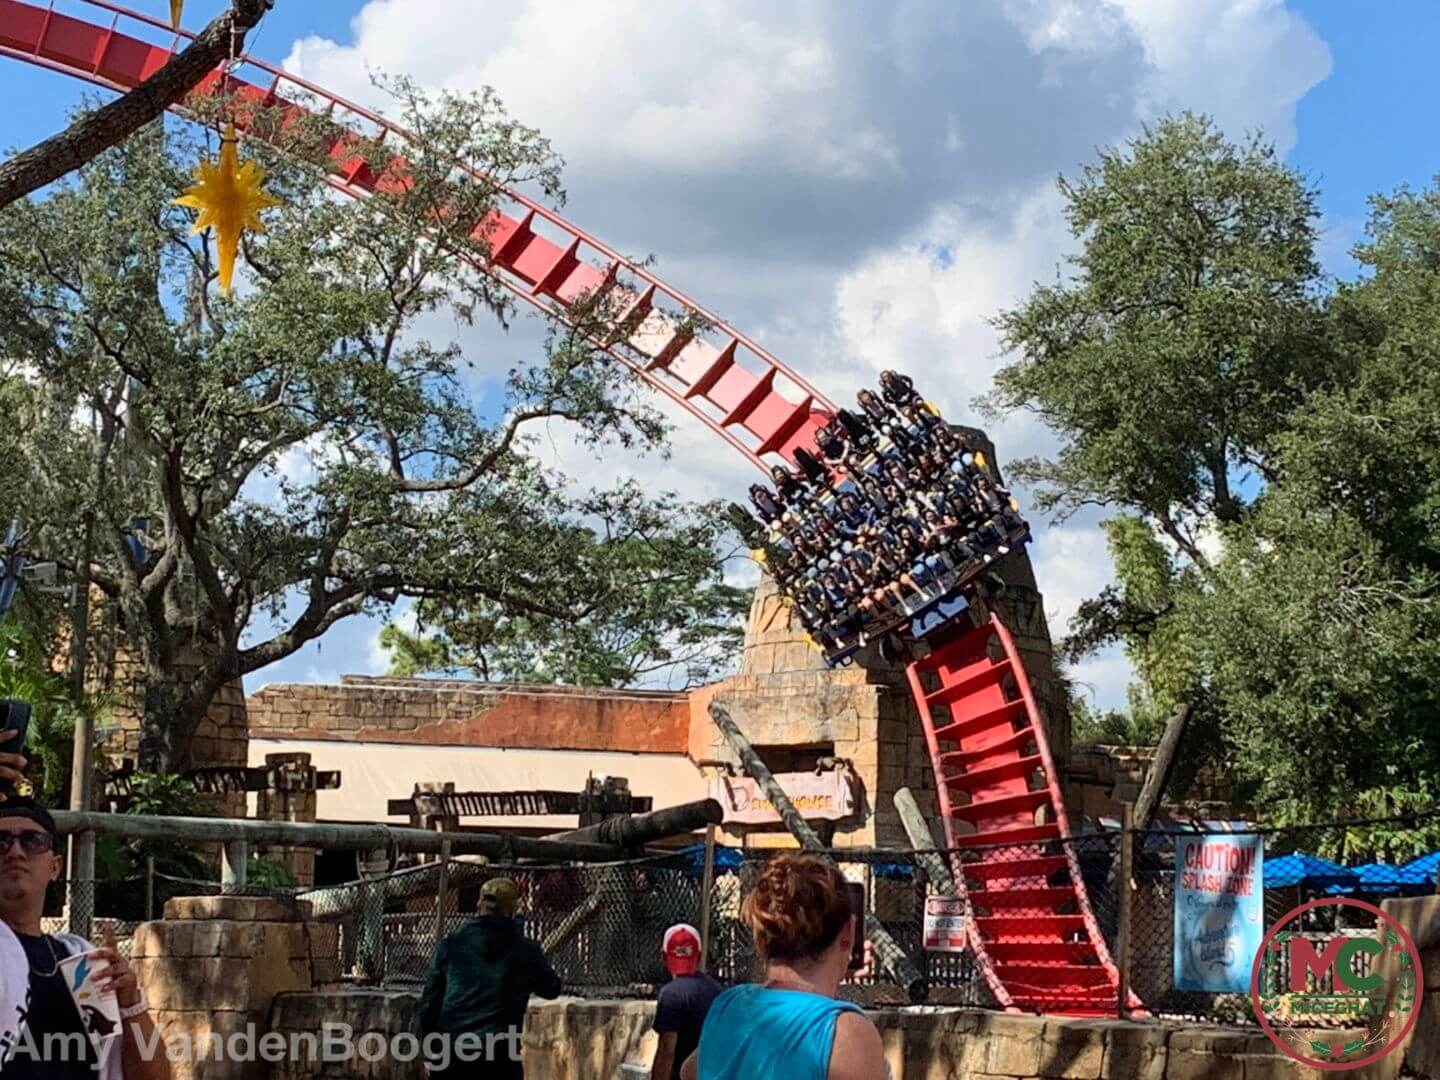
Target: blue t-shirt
756	1033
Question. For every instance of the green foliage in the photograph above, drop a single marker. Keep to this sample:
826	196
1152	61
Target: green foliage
170	796
1185	332
307	449
25	673
1301	623
121	864
652	601
1323	629
268	873
416	654
1090	726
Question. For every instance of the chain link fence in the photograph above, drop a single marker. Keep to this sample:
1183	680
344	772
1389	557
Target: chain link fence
601	924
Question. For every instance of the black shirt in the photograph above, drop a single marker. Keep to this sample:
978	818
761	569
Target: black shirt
51	1012
481	978
681	1007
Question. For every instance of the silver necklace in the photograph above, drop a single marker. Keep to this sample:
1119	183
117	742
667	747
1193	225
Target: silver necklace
55	960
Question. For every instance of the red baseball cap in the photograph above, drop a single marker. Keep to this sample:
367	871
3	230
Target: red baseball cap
681	947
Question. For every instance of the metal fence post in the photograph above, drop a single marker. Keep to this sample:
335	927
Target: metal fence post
80	886
370	938
234	865
149	887
707	888
1122	931
442	893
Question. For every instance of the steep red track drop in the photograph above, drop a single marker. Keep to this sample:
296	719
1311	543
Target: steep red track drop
1034	936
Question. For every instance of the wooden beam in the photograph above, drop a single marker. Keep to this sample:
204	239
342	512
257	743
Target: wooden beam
1163	764
889	954
632	831
923	841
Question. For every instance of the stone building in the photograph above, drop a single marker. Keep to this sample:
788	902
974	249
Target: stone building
386	736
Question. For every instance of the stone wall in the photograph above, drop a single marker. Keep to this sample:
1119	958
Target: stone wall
590	1040
785	695
1419	1053
438	712
221	738
1099	779
214	965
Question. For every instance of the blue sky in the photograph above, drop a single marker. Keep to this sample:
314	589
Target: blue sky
1372	124
860	185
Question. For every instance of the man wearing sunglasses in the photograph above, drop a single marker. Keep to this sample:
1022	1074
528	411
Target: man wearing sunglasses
42	1033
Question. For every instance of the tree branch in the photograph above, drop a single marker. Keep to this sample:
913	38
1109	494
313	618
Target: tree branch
111	124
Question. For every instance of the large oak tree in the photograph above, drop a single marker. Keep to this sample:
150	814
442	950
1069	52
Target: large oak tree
237	474
1268	446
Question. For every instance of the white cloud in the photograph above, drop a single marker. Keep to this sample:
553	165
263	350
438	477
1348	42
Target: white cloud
673	87
1246	62
1071	564
925	306
856	185
1100	680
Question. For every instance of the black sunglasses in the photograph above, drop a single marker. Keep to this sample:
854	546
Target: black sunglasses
31	843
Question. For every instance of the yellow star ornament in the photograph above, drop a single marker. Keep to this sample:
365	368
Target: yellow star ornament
229	196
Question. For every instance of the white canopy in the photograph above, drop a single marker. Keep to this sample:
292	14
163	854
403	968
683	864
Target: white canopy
373	773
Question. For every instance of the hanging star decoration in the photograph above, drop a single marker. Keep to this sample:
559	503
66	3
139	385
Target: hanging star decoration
176	7
229	196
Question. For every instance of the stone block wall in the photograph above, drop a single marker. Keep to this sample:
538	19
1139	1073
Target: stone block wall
785	695
1099	779
591	1040
365	1011
1419	1053
214	965
441	712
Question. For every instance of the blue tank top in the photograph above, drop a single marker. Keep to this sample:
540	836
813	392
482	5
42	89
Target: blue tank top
755	1033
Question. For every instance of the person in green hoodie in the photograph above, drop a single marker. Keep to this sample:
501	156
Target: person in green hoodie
479	984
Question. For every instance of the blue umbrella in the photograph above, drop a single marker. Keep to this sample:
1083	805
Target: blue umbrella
1422	871
1302	869
727	859
1374	878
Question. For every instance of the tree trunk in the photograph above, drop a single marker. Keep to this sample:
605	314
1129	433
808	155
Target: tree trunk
161	749
97	131
1158	776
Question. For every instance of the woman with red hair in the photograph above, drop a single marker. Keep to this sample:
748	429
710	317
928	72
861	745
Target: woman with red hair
791	1025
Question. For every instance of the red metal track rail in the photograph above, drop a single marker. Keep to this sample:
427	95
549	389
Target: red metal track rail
1033	933
754	402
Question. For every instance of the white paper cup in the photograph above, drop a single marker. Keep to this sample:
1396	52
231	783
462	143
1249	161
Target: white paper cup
99	1012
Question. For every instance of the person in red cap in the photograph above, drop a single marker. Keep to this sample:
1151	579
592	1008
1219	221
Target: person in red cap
683	1002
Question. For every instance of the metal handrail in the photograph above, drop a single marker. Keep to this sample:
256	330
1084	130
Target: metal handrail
332	835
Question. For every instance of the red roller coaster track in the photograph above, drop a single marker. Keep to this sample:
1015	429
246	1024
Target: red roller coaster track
1034	935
